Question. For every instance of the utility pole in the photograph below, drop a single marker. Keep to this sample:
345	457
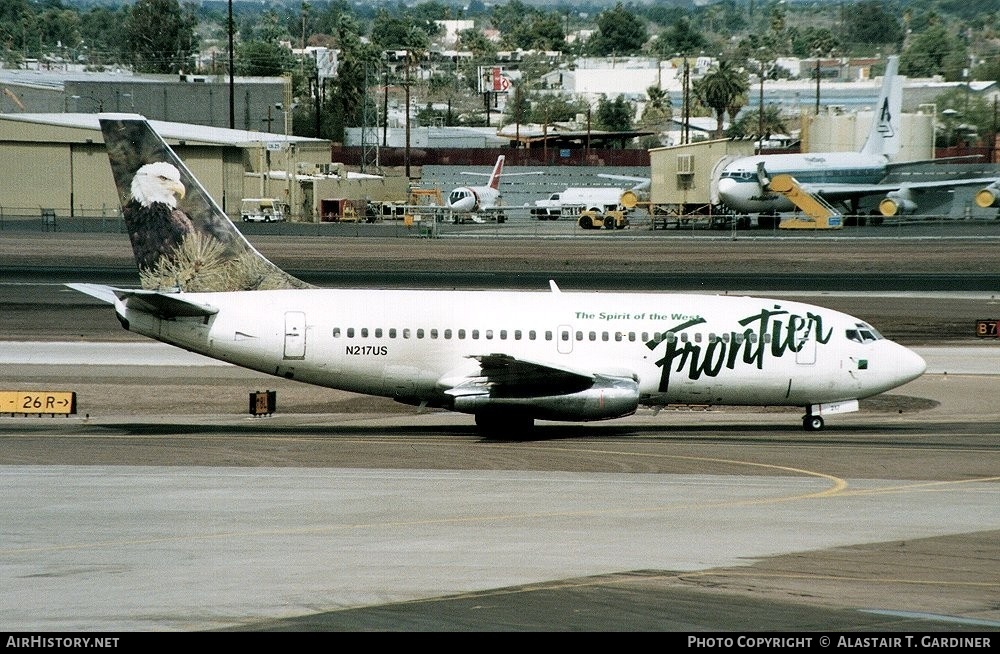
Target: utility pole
817	83
232	92
686	133
406	151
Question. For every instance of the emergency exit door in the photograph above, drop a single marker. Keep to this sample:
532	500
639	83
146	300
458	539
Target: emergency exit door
295	335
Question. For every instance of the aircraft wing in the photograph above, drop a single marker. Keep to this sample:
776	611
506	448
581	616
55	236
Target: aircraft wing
642	183
836	191
503	375
163	305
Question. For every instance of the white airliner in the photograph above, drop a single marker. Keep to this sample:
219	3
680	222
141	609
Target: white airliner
481	199
842	177
507	357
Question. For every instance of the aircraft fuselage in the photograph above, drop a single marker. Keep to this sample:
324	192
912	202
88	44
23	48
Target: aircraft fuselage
674	348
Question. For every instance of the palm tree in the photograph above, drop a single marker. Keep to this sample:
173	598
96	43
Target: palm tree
719	90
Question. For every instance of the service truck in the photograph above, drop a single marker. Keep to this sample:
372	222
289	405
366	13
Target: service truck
594	207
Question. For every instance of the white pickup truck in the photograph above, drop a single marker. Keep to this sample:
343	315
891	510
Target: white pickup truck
574	200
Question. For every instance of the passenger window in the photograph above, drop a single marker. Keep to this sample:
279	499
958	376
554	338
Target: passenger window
447	334
563	335
475	333
420	333
697	337
434	333
350	332
548	335
461	334
378	332
671	337
364	332
684	337
336	332
593	336
392	332
406	332
503	334
489	334
517	334
631	336
618	336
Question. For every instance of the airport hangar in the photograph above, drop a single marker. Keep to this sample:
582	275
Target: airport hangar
63	159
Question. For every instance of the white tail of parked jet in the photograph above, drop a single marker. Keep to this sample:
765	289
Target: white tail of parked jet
885	134
843	178
509	358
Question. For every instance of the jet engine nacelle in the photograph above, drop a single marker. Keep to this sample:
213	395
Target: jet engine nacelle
608	397
989	196
897	203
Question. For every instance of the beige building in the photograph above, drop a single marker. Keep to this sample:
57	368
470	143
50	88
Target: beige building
682	176
58	161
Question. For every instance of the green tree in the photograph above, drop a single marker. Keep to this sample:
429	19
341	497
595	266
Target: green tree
614	115
935	51
476	42
349	90
720	90
749	124
657	114
681	37
262	59
159	36
619	31
873	23
101	34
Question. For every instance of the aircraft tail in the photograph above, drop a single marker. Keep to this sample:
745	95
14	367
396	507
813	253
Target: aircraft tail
180	237
885	135
497	171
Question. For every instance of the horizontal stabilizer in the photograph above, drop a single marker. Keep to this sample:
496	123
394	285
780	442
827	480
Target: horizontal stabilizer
164	305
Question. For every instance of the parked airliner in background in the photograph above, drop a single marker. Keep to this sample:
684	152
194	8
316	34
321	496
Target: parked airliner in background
481	199
507	357
842	177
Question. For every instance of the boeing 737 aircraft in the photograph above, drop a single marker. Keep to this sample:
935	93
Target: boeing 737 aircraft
842	177
507	357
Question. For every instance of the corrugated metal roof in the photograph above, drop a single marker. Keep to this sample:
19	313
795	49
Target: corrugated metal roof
168	130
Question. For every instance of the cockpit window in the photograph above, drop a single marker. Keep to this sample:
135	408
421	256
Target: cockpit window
863	333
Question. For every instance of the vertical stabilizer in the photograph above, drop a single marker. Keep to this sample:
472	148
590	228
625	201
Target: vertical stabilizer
495	175
180	237
884	137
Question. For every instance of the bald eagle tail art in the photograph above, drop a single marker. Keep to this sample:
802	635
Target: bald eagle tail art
182	240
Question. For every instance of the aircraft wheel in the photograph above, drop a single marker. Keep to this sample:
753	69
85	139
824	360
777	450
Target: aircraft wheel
812	423
505	425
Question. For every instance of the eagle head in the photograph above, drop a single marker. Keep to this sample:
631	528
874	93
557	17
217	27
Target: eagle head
157	182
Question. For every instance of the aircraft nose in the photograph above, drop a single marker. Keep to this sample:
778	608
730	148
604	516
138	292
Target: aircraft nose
912	365
909	364
727	189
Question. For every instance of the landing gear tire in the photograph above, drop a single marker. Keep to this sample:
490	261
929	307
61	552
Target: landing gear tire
505	426
812	423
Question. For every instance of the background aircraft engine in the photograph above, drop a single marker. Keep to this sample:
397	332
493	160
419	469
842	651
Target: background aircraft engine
607	397
897	203
989	196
